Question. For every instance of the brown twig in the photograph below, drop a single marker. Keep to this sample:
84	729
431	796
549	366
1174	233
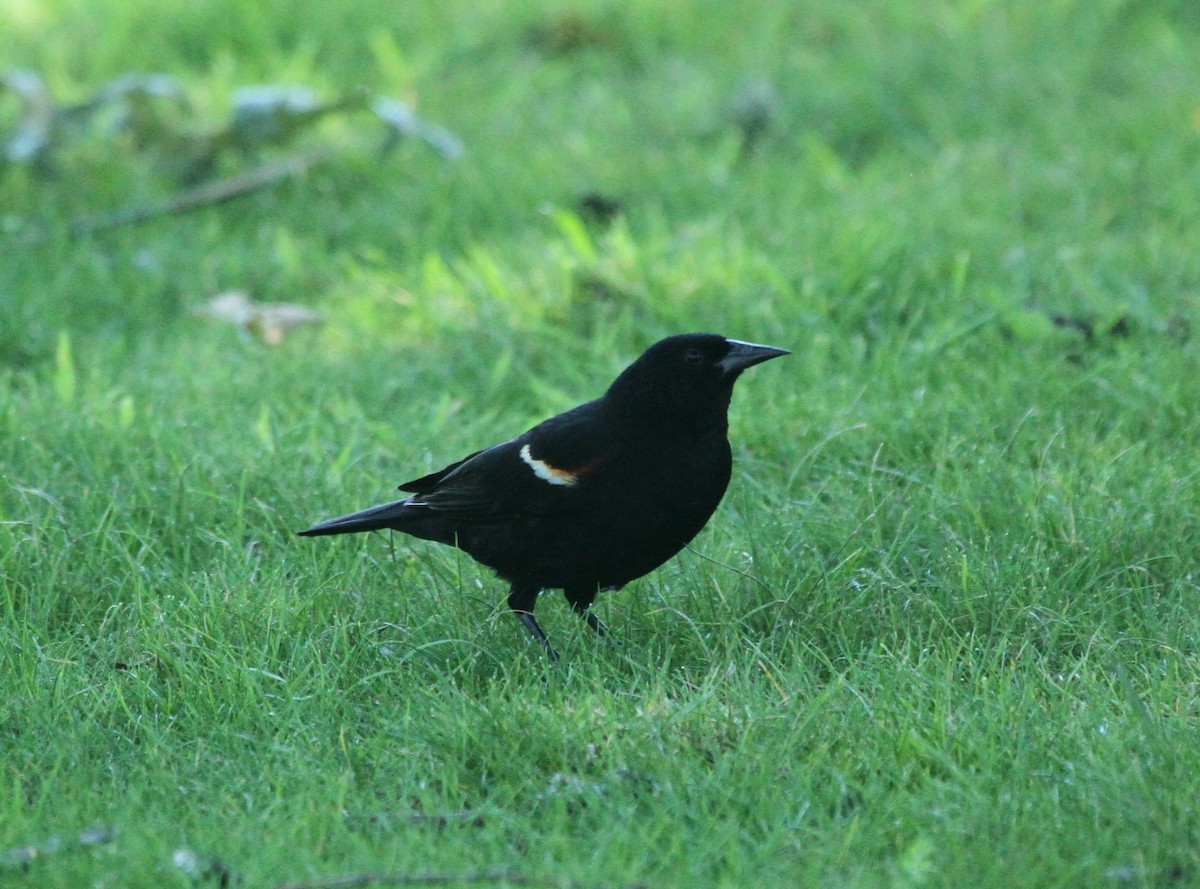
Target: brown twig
215	192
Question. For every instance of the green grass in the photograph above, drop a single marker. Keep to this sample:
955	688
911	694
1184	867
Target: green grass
942	632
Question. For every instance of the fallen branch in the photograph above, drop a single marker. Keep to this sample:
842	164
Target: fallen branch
215	192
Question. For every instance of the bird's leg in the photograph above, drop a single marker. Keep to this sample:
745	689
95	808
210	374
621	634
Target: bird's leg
595	623
580	603
521	600
531	624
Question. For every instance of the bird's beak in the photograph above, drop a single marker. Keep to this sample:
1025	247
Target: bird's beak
743	355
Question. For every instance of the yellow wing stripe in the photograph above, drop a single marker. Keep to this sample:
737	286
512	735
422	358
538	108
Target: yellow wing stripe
545	471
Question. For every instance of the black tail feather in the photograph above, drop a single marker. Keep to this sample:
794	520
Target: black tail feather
389	515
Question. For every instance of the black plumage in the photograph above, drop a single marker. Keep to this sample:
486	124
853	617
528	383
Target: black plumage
596	496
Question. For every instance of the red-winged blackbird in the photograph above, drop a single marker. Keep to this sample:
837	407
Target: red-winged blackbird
595	497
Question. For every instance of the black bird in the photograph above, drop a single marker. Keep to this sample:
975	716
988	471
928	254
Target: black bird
595	497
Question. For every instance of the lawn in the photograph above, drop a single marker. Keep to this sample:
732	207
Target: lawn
942	632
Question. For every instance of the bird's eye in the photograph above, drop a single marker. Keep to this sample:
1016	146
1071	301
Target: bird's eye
693	357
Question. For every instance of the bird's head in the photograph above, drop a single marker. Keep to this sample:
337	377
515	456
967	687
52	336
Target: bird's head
687	379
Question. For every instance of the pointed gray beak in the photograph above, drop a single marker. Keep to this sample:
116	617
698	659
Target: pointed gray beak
743	355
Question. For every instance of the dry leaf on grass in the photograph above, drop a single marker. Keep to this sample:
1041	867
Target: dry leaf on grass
270	322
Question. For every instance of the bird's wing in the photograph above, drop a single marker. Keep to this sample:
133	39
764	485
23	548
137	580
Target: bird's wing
427	483
539	473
